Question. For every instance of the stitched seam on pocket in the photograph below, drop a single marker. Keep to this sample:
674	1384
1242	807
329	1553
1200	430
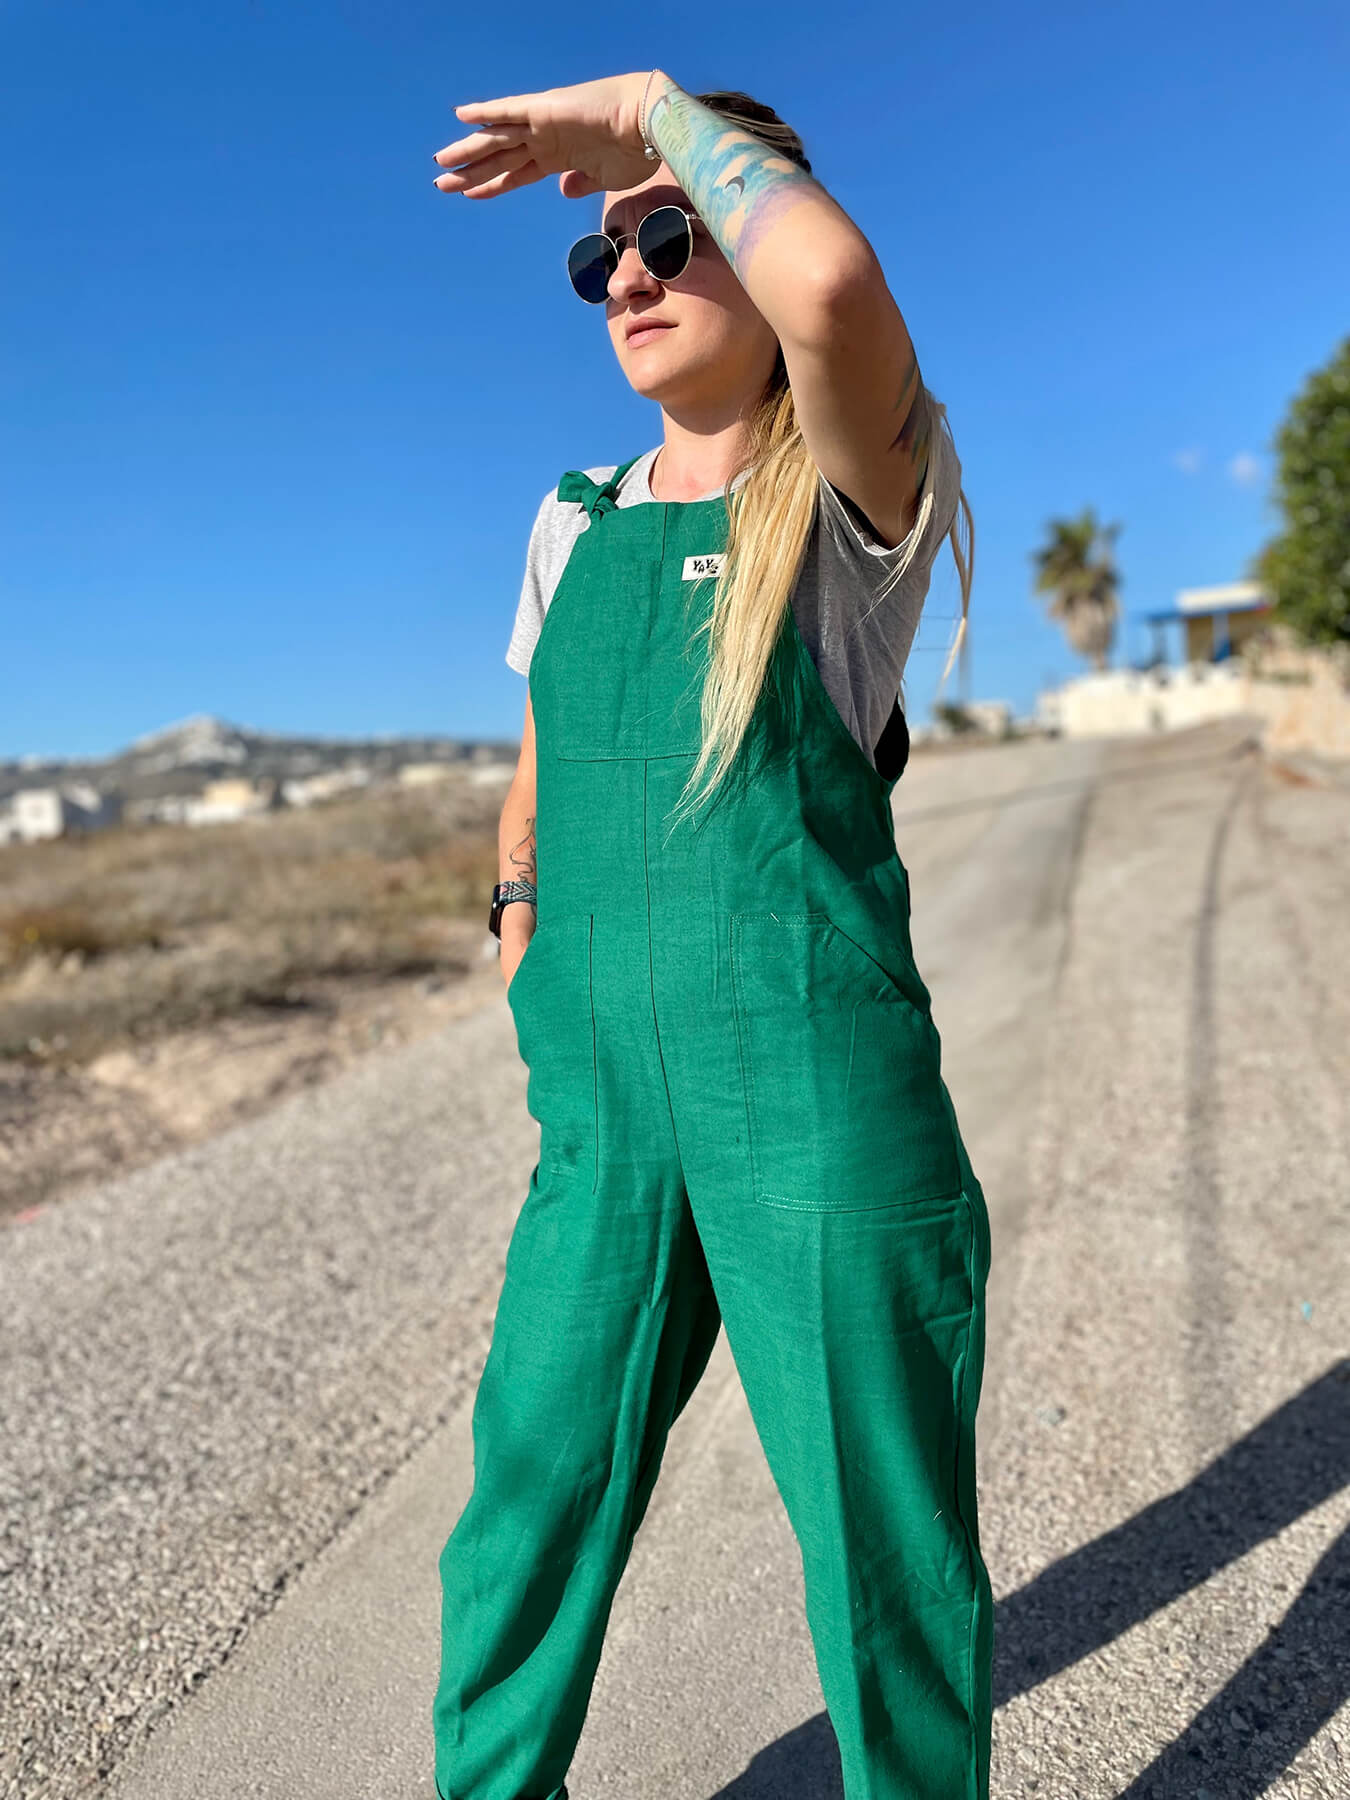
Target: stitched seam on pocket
894	980
595	1058
554	1165
958	1468
743	1050
818	918
620	750
782	1200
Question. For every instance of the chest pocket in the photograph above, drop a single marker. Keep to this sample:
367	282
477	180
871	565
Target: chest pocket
618	669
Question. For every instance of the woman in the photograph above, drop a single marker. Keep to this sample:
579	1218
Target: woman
731	1056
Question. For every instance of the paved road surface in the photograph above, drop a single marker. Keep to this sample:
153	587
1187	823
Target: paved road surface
238	1381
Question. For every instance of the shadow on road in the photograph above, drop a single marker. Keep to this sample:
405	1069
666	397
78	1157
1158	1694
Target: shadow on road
1275	1702
801	1765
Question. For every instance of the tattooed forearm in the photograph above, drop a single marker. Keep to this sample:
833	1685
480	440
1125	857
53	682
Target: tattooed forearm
521	855
737	185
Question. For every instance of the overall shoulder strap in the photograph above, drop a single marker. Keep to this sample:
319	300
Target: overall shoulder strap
595	496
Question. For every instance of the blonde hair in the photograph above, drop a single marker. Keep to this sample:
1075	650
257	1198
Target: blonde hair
769	519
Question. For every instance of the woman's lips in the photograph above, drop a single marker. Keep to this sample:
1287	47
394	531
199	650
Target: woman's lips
645	334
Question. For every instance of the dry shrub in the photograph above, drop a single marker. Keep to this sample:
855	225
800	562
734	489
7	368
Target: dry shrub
180	924
55	931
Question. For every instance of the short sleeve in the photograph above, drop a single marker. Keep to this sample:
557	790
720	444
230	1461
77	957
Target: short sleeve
533	602
859	602
853	537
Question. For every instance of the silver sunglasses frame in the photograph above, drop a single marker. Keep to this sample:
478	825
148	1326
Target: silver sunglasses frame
619	239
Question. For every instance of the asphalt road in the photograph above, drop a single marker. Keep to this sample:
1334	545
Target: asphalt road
238	1382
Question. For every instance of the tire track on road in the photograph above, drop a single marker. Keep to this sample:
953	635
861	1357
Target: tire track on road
1211	1395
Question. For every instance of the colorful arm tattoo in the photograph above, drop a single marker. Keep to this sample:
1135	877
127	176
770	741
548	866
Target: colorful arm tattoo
741	189
736	184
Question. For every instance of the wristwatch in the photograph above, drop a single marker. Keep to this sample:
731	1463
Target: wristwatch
502	896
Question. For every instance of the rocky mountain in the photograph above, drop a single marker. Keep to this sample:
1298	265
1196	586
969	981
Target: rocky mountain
181	758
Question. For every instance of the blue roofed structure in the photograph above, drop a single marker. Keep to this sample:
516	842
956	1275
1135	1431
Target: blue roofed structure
1216	621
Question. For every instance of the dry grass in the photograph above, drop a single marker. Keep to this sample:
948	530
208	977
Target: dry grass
134	931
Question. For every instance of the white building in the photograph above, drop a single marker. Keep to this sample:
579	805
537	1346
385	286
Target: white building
35	813
232	797
1128	702
305	790
1210	683
422	774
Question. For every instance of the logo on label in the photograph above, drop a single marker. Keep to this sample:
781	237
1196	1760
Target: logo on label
697	566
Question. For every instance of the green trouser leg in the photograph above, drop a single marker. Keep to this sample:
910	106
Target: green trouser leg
605	1323
859	1339
858	1336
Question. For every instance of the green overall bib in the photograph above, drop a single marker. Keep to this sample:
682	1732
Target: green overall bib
742	1121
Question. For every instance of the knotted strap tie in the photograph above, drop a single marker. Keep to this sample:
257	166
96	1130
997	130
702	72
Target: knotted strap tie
596	496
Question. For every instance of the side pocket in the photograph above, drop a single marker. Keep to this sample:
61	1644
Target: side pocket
555	1034
844	1097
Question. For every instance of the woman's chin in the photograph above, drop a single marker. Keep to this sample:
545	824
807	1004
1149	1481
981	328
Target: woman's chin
655	379
651	383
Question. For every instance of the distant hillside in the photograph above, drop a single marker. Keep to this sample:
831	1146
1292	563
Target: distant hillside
183	757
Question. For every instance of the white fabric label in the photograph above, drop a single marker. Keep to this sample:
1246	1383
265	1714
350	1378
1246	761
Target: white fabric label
696	566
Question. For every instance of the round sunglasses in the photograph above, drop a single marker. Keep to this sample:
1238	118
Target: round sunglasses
665	243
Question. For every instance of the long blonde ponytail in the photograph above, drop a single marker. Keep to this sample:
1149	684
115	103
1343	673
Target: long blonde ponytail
769	518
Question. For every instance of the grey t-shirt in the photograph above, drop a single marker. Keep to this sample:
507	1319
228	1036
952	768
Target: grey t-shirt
859	643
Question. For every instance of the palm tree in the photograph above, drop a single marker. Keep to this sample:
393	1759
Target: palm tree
1078	572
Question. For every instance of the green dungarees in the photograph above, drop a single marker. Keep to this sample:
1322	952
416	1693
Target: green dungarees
742	1120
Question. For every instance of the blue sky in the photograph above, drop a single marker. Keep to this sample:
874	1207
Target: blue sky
276	416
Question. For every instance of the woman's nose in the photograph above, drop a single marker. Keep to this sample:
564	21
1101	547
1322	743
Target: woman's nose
631	276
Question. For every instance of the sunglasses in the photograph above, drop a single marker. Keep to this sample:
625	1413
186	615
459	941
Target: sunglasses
665	243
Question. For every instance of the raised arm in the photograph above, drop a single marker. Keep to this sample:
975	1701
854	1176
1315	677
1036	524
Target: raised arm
814	276
808	268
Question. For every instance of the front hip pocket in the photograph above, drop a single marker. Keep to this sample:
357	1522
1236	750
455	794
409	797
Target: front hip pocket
550	996
843	1089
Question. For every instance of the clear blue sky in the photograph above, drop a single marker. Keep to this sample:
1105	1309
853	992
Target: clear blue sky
277	415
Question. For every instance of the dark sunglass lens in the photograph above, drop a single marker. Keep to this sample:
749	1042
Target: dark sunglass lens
665	242
590	266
